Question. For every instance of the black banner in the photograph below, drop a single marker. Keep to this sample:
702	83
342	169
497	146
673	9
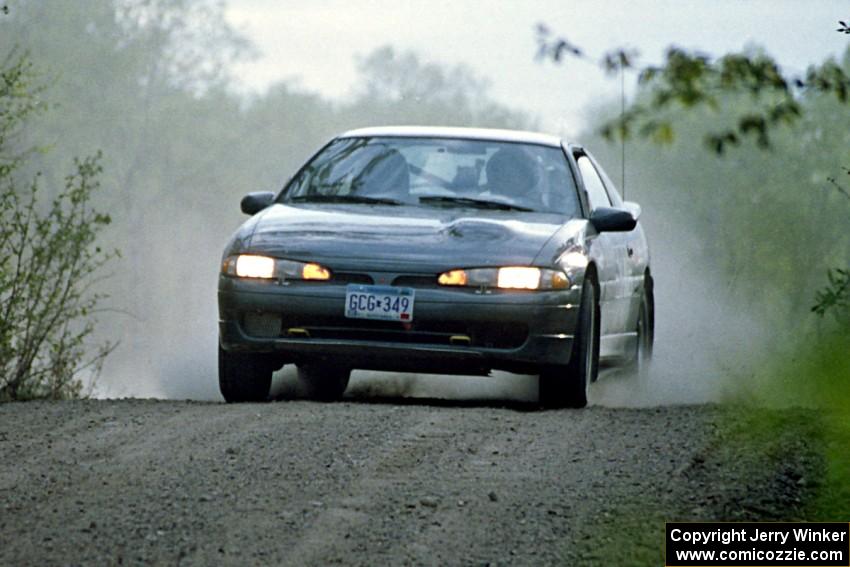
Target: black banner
761	544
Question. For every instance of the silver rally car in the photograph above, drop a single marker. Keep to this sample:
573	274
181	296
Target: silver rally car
436	250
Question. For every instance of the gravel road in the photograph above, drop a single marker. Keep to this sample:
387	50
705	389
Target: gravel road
371	481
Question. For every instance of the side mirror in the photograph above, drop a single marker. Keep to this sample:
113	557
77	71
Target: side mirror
633	208
253	203
608	219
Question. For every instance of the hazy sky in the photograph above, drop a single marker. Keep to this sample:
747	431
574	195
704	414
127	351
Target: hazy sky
316	41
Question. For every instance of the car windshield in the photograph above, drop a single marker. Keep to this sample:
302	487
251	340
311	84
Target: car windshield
438	172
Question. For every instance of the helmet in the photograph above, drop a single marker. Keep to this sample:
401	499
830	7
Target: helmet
511	172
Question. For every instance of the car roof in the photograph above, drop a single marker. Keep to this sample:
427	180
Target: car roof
451	132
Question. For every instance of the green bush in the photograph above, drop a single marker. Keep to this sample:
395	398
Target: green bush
49	261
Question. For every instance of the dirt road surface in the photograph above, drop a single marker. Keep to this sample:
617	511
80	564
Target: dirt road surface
371	481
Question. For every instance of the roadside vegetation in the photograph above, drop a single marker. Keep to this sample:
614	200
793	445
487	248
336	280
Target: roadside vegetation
50	261
753	162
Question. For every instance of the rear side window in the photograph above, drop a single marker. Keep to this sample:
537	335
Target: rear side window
593	183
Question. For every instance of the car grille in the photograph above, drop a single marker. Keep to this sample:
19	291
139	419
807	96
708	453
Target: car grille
415	281
419	282
352	278
455	333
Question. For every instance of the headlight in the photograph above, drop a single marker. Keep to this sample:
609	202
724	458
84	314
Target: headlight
263	267
254	266
511	277
518	278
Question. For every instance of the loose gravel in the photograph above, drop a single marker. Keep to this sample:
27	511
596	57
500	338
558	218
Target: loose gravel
366	482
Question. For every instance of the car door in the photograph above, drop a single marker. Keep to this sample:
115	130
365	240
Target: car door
636	259
609	253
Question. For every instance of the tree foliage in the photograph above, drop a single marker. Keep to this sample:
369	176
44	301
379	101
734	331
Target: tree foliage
147	81
728	100
837	294
835	297
400	87
690	80
49	261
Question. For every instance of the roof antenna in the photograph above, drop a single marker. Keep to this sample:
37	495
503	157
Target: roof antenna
622	132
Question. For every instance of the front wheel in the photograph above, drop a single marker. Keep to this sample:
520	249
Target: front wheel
566	385
244	377
645	336
323	382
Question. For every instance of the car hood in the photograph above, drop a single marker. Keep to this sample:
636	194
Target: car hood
384	237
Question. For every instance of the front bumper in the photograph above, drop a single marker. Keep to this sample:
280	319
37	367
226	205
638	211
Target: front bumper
454	331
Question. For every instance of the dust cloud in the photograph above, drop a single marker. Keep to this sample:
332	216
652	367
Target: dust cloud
705	344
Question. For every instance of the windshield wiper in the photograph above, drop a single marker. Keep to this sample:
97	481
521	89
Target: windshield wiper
477	203
359	199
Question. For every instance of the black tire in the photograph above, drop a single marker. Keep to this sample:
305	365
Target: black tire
645	330
244	377
645	337
566	385
323	382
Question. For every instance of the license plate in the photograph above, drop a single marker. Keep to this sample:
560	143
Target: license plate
379	302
